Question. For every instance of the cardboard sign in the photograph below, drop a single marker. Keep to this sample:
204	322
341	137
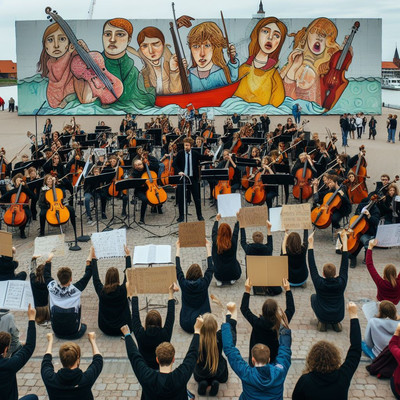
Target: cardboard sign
192	234
150	280
6	244
388	235
275	219
50	244
229	204
267	270
296	217
253	216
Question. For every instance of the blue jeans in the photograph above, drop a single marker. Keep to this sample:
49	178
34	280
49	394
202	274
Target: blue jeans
296	117
344	137
391	135
367	350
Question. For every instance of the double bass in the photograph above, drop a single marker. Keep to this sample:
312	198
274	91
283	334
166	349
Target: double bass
15	214
155	194
57	214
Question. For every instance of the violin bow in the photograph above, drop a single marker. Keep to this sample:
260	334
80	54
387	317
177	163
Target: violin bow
226	38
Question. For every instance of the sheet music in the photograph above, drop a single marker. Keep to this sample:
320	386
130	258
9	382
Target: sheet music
275	219
152	254
16	295
229	204
50	244
388	235
109	244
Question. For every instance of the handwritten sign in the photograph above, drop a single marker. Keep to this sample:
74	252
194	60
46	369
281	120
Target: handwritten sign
388	235
152	254
192	234
15	295
150	280
297	216
267	270
229	204
253	216
50	244
109	244
6	244
275	219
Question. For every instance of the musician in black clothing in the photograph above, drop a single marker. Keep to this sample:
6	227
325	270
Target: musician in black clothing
265	121
187	163
299	164
290	128
229	162
34	183
6	198
92	191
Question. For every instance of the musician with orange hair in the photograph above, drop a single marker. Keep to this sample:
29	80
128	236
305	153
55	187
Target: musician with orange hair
224	246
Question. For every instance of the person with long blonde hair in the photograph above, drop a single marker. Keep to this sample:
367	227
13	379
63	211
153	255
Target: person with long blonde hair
224	246
261	82
211	368
313	48
209	69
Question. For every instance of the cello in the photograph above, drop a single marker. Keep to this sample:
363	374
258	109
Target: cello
359	190
57	214
16	215
302	190
155	195
119	173
256	194
358	225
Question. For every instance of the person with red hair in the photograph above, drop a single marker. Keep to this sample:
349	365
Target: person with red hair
224	245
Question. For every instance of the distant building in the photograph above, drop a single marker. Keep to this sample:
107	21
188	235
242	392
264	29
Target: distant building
260	13
391	72
8	69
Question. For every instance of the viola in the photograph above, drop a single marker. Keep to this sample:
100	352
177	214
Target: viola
57	214
155	195
321	216
302	190
256	194
16	215
358	225
334	82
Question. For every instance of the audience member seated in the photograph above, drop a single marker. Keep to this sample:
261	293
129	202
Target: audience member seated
153	334
194	287
70	382
388	286
211	368
65	300
328	301
296	253
394	347
8	266
325	377
224	245
9	366
380	329
266	327
265	380
166	384
113	301
39	290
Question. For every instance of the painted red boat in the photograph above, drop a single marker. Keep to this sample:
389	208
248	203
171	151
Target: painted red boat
207	98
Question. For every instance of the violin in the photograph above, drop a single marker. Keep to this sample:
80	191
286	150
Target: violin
321	216
57	214
155	195
16	215
358	192
302	190
358	225
256	194
76	170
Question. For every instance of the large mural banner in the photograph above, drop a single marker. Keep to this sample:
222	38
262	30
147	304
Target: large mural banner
154	67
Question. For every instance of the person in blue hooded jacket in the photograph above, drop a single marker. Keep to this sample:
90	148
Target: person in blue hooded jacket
194	287
264	380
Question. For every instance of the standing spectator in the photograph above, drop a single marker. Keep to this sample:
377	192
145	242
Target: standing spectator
352	127
11	104
70	382
364	122
113	301
392	129
166	384
328	302
2	102
372	128
359	125
236	119
8	266
394	347
194	287
224	245
265	380
296	111
9	366
324	377
47	128
345	127
265	121
39	290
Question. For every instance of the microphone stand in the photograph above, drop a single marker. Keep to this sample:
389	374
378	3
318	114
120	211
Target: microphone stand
82	238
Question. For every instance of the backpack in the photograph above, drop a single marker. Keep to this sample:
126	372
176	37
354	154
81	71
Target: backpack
384	365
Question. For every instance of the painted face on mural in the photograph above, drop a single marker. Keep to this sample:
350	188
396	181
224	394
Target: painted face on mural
152	48
56	44
202	55
316	42
115	41
269	38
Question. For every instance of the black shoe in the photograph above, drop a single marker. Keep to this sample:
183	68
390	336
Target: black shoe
353	262
103	216
153	210
201	390
22	235
200	218
41	234
123	214
34	218
159	209
180	219
141	222
337	327
214	388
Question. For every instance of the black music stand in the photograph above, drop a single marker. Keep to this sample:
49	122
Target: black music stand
214	174
246	162
256	141
21	170
155	134
128	184
278	179
82	238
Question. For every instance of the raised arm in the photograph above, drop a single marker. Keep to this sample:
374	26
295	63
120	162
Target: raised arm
137	326
128	261
244	307
290	308
98	286
344	265
210	265
284	251
235	234
47	270
243	240
170	318
370	264
215	229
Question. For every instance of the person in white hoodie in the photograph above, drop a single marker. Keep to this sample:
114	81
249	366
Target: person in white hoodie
380	329
359	126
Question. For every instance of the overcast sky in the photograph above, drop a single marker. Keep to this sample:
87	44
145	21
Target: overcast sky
388	10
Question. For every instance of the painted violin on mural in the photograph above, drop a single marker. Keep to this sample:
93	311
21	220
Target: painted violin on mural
334	82
90	66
